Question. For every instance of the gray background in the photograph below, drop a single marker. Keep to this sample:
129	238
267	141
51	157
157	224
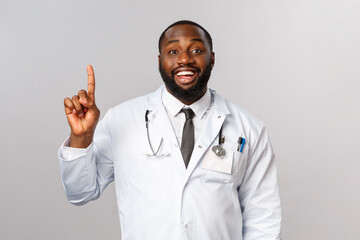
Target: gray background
294	64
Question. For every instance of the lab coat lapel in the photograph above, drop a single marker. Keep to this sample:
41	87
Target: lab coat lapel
160	127
209	132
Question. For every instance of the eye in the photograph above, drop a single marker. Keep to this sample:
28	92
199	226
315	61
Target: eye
197	51
172	52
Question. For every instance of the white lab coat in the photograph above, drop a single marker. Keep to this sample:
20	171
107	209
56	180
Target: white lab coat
158	198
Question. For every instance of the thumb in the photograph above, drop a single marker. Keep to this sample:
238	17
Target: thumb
86	102
90	106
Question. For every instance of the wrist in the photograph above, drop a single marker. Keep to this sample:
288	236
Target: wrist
81	141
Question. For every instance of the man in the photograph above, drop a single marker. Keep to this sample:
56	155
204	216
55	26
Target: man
205	173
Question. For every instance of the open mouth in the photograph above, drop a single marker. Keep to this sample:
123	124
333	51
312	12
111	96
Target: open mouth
185	76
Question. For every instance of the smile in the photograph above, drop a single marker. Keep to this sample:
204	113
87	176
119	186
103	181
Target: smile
185	76
185	73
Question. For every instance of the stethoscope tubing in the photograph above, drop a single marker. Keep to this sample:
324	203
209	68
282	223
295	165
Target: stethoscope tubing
148	137
218	149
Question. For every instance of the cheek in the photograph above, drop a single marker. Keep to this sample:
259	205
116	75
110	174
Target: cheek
167	64
203	61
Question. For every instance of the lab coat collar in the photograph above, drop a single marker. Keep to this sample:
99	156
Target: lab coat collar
153	102
219	105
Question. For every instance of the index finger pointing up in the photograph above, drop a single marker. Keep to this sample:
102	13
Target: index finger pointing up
91	82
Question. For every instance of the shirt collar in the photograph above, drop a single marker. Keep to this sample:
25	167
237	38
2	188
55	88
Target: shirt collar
173	105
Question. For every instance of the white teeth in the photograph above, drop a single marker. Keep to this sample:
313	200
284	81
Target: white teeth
185	73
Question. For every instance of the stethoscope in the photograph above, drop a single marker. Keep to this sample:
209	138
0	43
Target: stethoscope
155	154
218	149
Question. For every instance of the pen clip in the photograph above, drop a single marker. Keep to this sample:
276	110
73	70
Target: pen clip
241	143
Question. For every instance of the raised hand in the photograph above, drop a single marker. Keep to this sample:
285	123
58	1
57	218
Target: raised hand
82	114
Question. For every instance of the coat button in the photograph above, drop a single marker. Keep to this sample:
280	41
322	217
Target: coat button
199	146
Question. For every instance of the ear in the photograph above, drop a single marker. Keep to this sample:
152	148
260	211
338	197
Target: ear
212	60
159	59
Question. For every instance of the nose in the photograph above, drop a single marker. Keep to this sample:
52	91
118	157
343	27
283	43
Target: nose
185	58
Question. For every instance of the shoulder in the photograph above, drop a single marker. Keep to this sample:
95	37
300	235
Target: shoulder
243	123
132	104
136	105
238	113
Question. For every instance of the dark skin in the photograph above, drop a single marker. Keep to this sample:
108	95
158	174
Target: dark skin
82	114
184	48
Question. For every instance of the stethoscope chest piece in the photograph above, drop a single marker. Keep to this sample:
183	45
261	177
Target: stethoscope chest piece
219	151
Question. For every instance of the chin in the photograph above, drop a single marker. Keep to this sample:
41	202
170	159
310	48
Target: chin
187	93
187	86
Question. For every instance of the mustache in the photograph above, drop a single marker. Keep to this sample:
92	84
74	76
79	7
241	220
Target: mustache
188	66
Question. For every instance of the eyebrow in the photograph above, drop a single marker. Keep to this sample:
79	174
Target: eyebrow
192	40
197	40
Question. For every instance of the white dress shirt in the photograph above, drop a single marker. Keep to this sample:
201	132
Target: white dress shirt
177	118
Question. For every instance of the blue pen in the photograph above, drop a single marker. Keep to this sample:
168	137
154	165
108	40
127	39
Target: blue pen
242	144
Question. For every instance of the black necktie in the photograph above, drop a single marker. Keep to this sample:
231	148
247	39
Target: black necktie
188	139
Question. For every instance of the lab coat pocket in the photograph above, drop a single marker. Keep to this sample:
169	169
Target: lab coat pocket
223	169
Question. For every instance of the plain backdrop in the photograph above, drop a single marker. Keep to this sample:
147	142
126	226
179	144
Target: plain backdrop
294	64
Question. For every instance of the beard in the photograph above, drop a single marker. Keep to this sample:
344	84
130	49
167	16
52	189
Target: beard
190	94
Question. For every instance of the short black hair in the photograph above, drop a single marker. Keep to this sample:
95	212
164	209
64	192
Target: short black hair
186	22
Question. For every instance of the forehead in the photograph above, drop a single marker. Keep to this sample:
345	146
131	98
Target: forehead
186	32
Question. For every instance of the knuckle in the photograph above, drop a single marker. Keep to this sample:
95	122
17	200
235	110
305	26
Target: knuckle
75	97
82	91
66	102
